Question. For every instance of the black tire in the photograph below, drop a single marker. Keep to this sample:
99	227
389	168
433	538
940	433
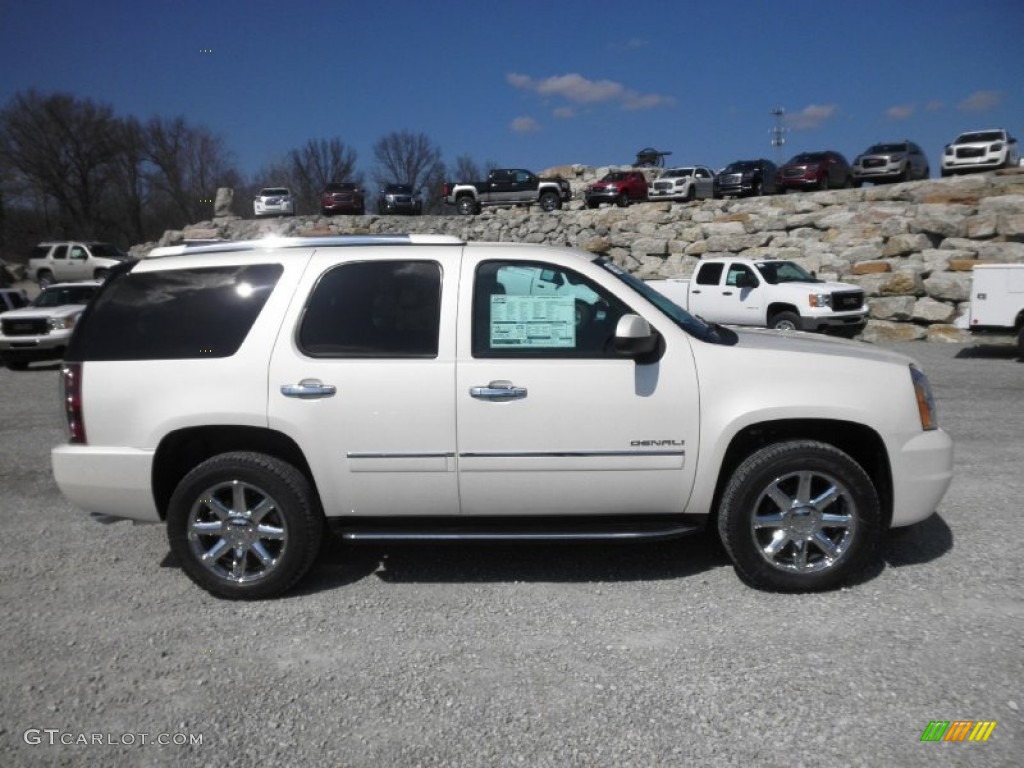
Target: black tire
858	183
691	193
944	173
45	278
799	516
466	205
785	321
549	201
848	182
212	510
756	188
823	182
592	203
1020	342
622	200
15	364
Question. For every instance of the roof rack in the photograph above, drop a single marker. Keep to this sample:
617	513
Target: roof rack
332	241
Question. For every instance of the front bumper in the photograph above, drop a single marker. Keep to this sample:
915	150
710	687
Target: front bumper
109	481
36	347
922	469
847	321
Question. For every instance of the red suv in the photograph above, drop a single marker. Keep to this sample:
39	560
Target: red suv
814	170
619	187
342	197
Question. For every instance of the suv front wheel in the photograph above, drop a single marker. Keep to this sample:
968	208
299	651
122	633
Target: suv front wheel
799	516
244	525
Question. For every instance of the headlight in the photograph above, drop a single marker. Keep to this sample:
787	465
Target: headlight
820	299
925	400
63	323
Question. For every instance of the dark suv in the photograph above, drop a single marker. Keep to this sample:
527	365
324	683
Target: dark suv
814	170
342	197
399	198
899	161
747	177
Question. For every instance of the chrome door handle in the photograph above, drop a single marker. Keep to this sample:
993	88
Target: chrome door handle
308	389
499	391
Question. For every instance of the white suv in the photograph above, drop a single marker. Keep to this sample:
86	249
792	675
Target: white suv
274	201
420	387
42	330
980	151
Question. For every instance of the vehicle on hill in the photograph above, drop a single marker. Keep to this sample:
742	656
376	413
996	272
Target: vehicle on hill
767	293
274	201
42	330
617	187
814	170
399	198
72	260
747	178
427	389
980	151
507	186
342	197
896	161
688	183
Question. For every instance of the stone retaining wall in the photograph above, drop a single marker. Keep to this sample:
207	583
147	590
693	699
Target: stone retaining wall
910	246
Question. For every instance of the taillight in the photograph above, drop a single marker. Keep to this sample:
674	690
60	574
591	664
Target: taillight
71	397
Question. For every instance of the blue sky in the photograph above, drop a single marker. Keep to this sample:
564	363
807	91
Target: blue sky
535	84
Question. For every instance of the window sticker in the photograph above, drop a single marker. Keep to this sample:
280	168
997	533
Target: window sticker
538	322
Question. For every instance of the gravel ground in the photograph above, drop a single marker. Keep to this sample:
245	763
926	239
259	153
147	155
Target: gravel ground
567	655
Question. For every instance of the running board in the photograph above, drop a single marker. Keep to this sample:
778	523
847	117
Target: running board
519	530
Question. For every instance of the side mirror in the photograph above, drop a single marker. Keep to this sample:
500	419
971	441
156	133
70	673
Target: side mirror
634	338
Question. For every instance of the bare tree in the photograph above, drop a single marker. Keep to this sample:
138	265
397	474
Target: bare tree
189	163
312	166
65	150
467	169
407	158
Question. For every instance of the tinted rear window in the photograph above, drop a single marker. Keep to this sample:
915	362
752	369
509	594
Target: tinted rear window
174	315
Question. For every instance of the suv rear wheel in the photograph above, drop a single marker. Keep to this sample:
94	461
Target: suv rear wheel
799	516
244	525
549	202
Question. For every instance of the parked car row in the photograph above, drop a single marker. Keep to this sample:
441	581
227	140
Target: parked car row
341	197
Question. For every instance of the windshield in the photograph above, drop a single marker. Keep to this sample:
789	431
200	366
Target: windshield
740	167
712	333
398	189
676	173
969	138
886	149
775	272
274	192
107	251
614	176
807	157
61	295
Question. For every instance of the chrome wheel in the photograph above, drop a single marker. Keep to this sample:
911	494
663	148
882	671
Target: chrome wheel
804	522
237	531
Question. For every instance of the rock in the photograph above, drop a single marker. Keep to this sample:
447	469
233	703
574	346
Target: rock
1002	204
871	267
1011	226
949	334
951	286
884	331
899	245
222	203
928	310
894	308
904	283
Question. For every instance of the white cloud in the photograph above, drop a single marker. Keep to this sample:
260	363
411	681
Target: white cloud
980	101
577	89
900	111
564	112
524	125
810	116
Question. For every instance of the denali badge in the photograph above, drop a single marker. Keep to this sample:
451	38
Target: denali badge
648	443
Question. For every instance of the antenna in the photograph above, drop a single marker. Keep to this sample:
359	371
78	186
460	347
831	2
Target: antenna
777	133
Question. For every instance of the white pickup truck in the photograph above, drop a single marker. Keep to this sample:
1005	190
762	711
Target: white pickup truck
767	293
997	300
427	389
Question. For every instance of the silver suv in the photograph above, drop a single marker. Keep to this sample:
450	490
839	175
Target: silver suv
980	151
898	161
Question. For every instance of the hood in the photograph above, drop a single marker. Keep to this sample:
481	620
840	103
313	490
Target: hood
62	311
799	342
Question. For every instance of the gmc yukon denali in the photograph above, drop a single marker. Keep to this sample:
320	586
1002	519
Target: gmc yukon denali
249	395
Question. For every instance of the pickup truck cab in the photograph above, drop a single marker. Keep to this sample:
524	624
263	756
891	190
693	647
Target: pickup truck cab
507	186
428	389
72	261
997	300
767	293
